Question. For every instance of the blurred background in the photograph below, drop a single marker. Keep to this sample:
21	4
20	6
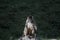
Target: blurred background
13	15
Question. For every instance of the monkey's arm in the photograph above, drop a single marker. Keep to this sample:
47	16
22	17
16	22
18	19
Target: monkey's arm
35	27
25	31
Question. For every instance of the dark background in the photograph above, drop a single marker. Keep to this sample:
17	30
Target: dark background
13	14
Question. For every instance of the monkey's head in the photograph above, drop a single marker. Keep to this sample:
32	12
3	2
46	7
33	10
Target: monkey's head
30	19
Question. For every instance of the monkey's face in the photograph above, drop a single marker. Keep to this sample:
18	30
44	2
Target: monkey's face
30	19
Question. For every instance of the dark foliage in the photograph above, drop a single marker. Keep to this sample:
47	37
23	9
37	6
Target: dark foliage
13	14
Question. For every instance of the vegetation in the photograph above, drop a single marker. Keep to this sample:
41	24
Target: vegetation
13	14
